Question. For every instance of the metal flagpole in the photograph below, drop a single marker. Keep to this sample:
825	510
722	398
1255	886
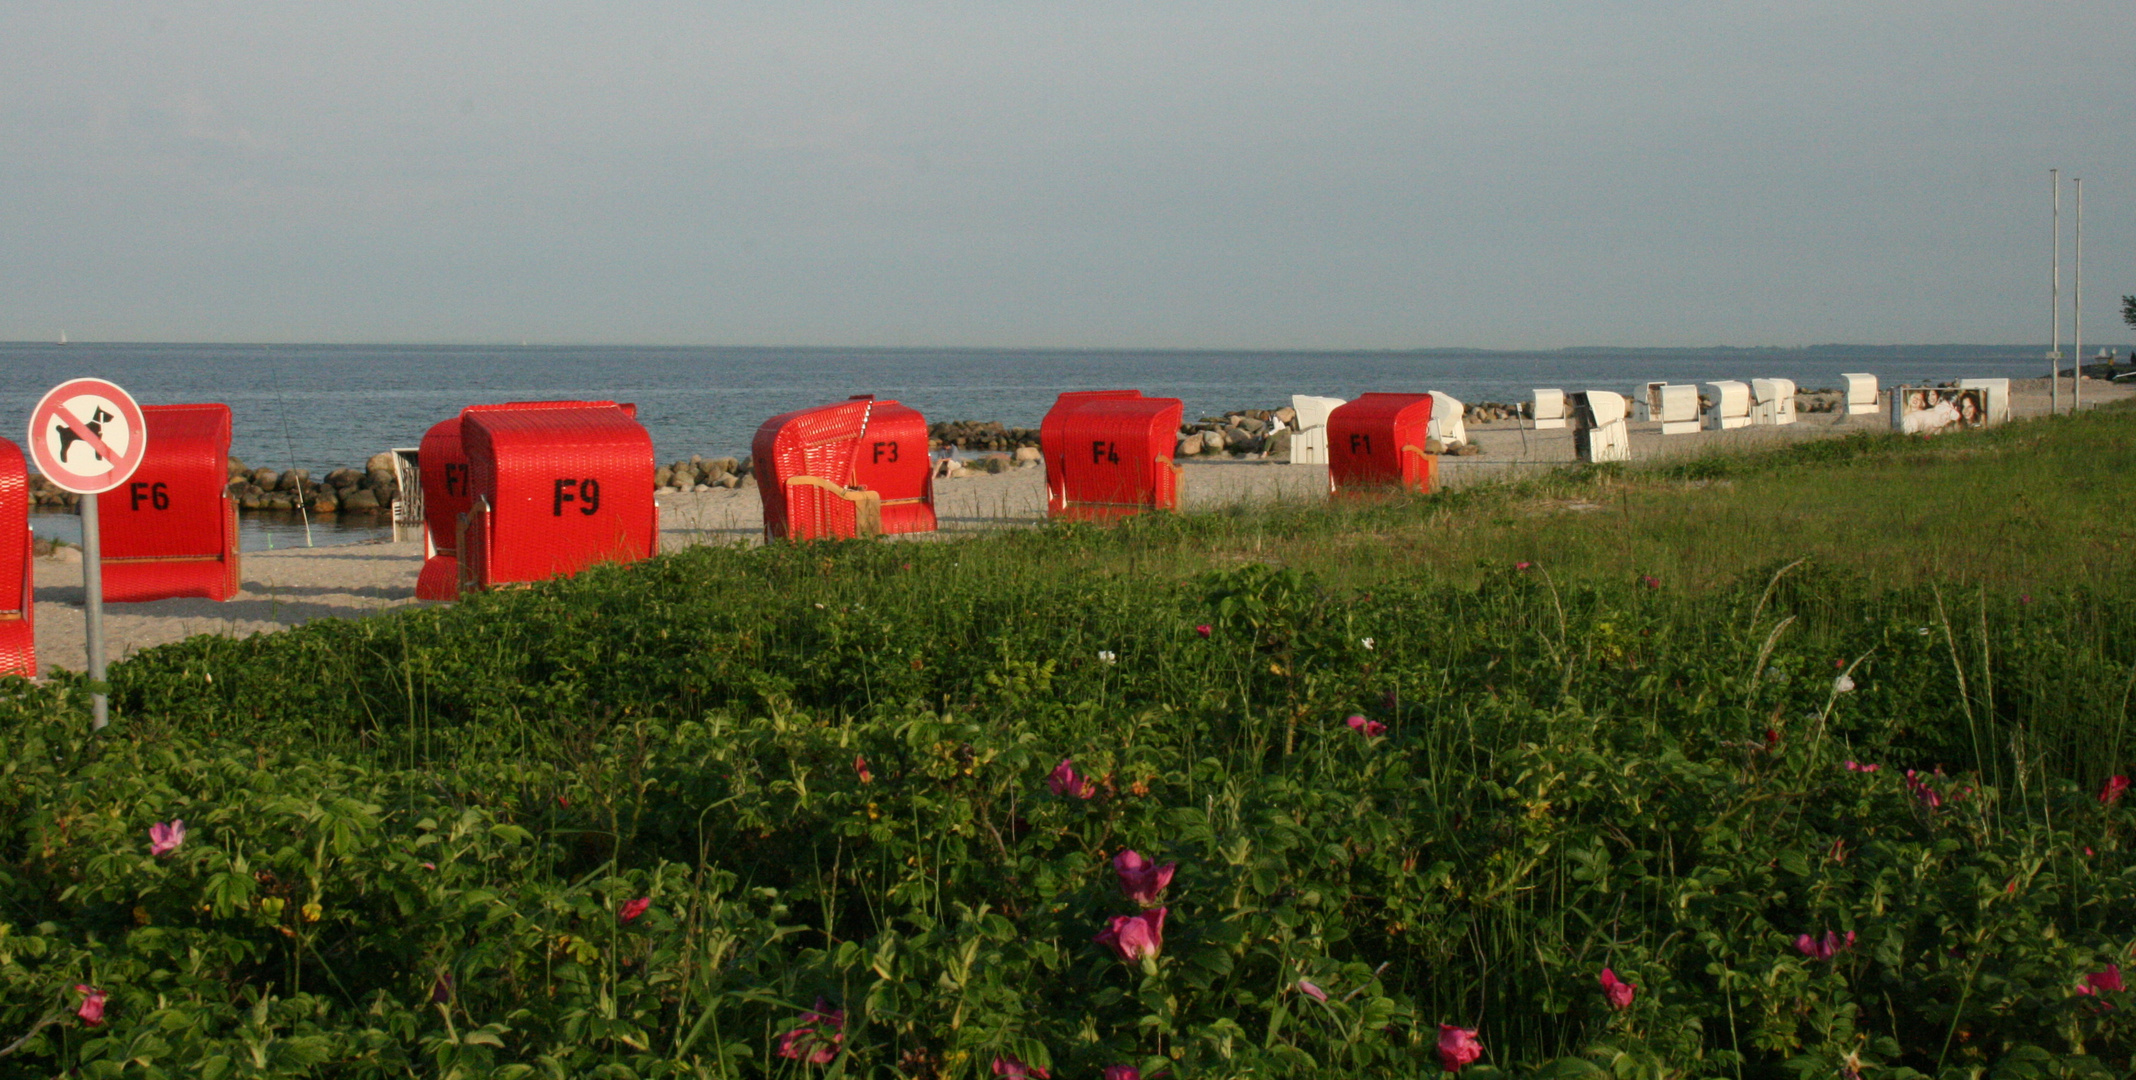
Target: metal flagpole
93	609
2076	349
2054	300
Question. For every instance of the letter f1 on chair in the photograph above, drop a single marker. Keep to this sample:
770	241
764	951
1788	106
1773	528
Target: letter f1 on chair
1377	442
1109	454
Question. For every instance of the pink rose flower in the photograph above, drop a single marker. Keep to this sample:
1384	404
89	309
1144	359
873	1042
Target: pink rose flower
2108	980
634	908
1140	879
1122	1072
1203	630
1616	991
1371	729
92	1007
818	1037
1133	937
1457	1047
164	837
2114	789
1009	1068
1312	990
1064	780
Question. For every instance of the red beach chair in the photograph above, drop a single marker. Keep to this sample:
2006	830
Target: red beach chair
554	487
856	468
443	467
1109	454
1377	442
171	530
18	609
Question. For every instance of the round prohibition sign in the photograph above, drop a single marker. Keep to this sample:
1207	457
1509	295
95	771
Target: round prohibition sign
87	436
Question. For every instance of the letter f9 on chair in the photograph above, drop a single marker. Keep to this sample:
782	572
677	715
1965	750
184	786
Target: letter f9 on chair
554	487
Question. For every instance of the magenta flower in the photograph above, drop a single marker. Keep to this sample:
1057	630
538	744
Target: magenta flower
92	1007
441	988
1523	566
1312	990
1650	581
860	768
1133	937
2112	792
1831	945
817	1039
164	837
1203	629
1457	1047
1140	879
1122	1072
1857	767
1370	728
1064	780
1009	1068
1921	791
1616	991
2108	980
634	908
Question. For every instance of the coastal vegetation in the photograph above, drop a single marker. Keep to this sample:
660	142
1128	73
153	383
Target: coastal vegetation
1796	763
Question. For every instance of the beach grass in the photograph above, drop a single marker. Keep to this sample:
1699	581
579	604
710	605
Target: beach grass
1815	747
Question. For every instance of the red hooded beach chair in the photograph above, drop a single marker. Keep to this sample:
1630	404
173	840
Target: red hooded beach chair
1109	454
18	608
171	529
853	469
553	488
1376	443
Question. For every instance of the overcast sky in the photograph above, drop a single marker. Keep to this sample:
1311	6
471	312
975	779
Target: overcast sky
1001	174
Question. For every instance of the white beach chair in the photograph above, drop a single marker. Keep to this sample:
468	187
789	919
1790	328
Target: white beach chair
1731	405
1549	409
1310	445
1861	393
1603	434
1772	401
1677	407
1647	406
1448	424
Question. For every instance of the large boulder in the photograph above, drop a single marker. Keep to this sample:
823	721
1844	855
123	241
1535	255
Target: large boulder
237	468
294	480
361	501
266	478
381	460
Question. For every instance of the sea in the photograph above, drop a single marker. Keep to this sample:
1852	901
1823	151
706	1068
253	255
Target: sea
324	407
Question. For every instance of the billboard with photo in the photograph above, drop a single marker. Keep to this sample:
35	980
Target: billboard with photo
1927	410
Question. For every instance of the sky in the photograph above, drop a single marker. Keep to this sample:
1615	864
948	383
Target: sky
1087	175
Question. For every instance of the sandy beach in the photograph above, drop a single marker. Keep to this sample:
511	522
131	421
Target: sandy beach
286	587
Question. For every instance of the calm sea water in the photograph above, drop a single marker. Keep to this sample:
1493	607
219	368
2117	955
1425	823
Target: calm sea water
329	406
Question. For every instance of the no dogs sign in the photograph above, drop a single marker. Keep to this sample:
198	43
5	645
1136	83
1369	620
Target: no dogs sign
87	436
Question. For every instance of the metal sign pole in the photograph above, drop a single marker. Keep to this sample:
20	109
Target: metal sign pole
93	609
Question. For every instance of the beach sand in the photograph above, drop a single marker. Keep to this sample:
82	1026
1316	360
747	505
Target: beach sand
289	586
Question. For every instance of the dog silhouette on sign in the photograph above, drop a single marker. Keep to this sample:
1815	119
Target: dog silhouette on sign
67	438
